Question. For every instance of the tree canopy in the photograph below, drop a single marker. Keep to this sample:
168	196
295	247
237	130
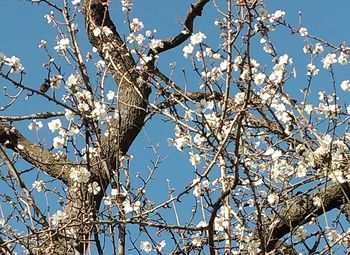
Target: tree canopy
258	149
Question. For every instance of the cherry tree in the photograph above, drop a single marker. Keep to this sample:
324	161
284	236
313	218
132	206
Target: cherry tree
263	151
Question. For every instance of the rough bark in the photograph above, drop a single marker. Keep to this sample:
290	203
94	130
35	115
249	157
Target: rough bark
302	209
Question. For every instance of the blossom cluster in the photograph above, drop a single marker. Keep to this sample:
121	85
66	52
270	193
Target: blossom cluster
13	62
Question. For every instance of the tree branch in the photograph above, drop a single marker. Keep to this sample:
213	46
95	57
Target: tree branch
34	154
302	209
195	11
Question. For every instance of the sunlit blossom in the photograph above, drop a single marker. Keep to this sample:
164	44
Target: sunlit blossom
35	124
330	59
59	216
146	246
38	185
136	25
345	85
187	50
62	44
79	174
303	31
197	38
14	63
54	125
94	188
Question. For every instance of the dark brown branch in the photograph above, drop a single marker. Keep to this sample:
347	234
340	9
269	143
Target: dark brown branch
35	154
302	210
133	90
39	115
195	11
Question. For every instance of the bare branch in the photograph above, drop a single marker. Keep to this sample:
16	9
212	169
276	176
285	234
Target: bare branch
39	115
195	11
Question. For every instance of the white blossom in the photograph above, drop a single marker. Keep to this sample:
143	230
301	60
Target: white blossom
312	70
343	58
58	142
330	59
94	188
38	185
62	44
110	95
79	174
14	63
277	15
195	159
107	31
146	246
35	125
59	216
197	38
156	43
303	31
136	25
73	80
160	246
259	78
76	2
318	48
42	43
54	125
345	85
197	240
272	198
96	31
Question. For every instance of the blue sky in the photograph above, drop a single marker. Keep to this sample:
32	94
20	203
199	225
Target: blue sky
24	25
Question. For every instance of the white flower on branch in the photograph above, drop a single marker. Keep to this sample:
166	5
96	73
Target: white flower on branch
76	2
203	105
42	44
160	246
318	49
272	198
197	240
126	5
146	246
73	81
96	31
156	43
94	188
50	17
54	125
195	159
14	63
197	38
62	44
330	59
79	174
35	125
56	218
58	142
38	185
107	31
131	207
110	95
187	50
303	31
343	58
312	70
259	78
277	15
136	25
345	85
